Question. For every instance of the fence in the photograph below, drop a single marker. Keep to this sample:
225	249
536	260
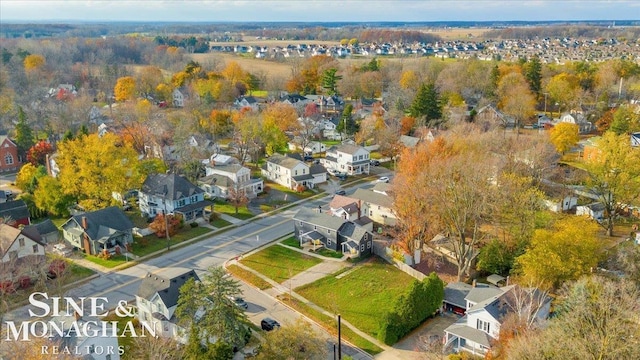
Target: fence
385	252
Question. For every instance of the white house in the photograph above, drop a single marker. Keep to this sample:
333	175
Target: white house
563	204
246	102
220	179
485	309
315	147
577	118
347	158
15	244
103	346
157	300
594	210
179	97
291	172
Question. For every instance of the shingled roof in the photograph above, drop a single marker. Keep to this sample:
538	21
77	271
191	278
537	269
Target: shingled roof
16	210
102	221
312	216
166	284
176	187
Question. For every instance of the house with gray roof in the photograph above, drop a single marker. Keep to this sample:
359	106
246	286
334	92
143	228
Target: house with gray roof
46	231
220	180
291	172
172	194
335	233
17	244
485	308
16	211
107	229
376	204
157	300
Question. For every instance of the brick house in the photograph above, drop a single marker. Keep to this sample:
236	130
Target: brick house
9	159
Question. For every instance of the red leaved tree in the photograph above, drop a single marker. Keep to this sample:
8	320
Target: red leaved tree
159	226
37	154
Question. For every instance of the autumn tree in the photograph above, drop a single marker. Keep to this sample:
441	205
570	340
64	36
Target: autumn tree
125	89
295	341
613	175
347	124
37	154
34	62
148	79
247	136
565	252
160	224
604	122
516	99
426	105
28	176
564	136
595	319
308	79
625	121
563	89
155	348
93	167
207	309
49	197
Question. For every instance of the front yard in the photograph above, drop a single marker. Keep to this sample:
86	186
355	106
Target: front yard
226	208
362	296
151	243
279	263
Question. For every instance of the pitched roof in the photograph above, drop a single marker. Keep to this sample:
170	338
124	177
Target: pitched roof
353	231
382	188
373	198
103	221
317	169
5	137
346	148
314	217
174	186
9	234
409	141
456	292
16	209
217	180
166	284
285	161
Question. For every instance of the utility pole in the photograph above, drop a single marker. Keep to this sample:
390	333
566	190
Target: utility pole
339	340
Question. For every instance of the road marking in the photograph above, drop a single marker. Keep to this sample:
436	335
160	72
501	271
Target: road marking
194	256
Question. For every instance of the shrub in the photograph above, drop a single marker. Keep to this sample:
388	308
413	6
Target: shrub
193	224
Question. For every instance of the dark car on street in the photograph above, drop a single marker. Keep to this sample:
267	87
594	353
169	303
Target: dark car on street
374	162
341	192
268	324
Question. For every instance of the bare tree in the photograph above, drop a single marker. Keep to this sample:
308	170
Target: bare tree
155	348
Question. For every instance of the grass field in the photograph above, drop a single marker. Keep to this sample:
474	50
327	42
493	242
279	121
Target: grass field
228	209
248	276
292	241
362	296
151	243
279	263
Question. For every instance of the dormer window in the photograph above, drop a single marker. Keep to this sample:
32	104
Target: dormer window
483	325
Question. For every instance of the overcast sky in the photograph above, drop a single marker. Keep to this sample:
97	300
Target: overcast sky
318	10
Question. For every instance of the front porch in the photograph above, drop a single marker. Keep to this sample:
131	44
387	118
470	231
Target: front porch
461	337
193	211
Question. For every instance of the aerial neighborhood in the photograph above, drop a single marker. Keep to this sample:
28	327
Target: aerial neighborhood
473	194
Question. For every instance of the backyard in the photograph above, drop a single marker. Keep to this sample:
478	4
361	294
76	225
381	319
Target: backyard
279	263
363	295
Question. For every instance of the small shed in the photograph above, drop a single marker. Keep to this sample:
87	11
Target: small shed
496	280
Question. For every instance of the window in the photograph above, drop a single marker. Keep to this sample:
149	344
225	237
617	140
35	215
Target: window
368	244
315	227
360	157
296	172
370	213
328	242
182	202
301	223
362	248
194	199
483	325
8	159
328	231
35	249
92	349
21	241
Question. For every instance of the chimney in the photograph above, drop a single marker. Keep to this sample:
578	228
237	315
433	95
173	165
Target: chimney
359	209
473	283
86	244
84	223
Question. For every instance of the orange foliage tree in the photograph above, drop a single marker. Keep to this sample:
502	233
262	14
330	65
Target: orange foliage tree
125	88
159	226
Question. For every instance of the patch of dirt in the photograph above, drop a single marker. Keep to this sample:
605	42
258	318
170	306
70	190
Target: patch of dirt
432	262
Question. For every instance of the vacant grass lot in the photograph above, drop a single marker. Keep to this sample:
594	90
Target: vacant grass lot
151	243
363	296
279	263
224	207
248	276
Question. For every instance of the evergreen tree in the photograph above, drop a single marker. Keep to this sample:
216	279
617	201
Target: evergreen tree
494	78
83	131
426	105
330	81
24	134
347	124
533	74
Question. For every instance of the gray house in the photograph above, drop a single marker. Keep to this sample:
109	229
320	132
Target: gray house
335	233
173	194
106	229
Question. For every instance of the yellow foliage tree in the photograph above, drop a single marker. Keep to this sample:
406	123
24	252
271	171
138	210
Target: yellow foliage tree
34	62
564	136
93	167
163	91
125	88
565	252
409	80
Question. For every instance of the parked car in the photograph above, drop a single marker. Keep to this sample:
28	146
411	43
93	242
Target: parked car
341	176
239	302
374	162
268	324
383	179
341	192
308	158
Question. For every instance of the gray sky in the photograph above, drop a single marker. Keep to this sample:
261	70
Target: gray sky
318	10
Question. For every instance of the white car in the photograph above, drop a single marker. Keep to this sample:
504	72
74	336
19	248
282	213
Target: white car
383	179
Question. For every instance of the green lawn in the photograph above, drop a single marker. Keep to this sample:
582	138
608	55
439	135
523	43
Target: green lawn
228	209
151	243
219	223
303	195
108	263
279	263
248	276
330	324
329	253
363	296
292	241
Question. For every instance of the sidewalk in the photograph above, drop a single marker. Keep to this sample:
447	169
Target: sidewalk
230	218
280	289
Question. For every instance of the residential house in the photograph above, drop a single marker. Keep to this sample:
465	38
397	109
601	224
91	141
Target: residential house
635	139
104	347
52	166
489	116
4	197
409	141
45	231
485	309
179	96
329	129
172	194
344	207
107	229
376	204
15	213
332	232
315	147
347	158
291	172
221	179
16	244
246	102
157	300
577	118
590	148
594	211
9	159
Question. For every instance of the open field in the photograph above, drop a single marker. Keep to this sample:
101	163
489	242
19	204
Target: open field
363	296
279	263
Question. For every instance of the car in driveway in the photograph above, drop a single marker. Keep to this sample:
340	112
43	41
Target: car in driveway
268	324
383	179
239	302
374	162
341	192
